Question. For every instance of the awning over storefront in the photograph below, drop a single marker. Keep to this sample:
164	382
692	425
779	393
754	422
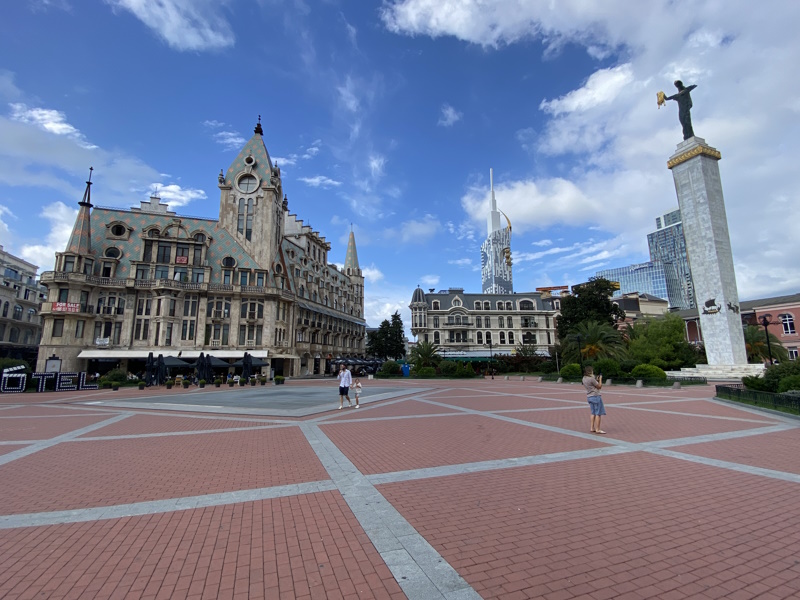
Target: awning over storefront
284	356
331	313
187	354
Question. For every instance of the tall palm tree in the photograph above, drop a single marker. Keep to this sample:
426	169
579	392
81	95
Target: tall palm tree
594	340
755	342
424	355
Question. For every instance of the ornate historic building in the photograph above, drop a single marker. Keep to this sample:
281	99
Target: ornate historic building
256	279
20	298
478	326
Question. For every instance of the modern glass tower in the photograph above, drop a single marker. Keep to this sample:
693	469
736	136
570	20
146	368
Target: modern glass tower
496	252
644	278
668	246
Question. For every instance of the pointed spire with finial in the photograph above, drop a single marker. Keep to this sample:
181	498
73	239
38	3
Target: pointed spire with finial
258	129
80	242
351	258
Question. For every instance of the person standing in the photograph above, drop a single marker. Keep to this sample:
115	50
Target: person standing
593	386
345	380
357	387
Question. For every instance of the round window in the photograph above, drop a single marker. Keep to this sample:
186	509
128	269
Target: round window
112	252
118	230
248	183
228	262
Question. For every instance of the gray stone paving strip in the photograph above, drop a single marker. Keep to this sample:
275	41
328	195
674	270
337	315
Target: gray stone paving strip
683	414
716	437
419	569
135	509
101	414
44	444
134	436
758	410
732	466
212	417
19	442
495	465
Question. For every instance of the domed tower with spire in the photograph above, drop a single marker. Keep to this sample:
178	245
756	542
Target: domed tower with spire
251	200
419	312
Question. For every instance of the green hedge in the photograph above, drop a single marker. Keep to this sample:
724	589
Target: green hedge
571	371
648	372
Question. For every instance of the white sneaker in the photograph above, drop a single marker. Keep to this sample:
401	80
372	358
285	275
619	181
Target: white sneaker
340	408
356	405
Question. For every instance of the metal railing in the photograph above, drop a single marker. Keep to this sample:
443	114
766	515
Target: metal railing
738	393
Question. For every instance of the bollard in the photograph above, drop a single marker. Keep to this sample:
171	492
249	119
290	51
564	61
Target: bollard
560	380
506	377
608	381
540	379
522	378
676	385
639	383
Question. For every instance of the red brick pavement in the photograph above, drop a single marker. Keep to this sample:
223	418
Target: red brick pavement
702	407
7	449
637	425
43	428
139	424
302	547
42	410
382	447
638	524
490	402
778	451
398	409
102	473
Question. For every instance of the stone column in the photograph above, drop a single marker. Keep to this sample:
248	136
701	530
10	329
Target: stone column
705	227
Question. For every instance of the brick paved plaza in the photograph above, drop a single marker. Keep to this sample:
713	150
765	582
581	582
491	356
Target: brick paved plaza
432	489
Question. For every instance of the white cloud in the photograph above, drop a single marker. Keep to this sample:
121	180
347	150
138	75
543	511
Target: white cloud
429	280
213	123
285	160
449	116
61	219
463	231
49	120
376	165
5	230
372	274
176	196
312	150
320	181
347	95
8	89
229	140
418	230
542	243
461	262
602	87
183	24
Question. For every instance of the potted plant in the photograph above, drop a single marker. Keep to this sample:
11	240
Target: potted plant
217	382
169	383
230	382
141	385
279	379
252	381
186	384
242	382
114	386
263	380
202	383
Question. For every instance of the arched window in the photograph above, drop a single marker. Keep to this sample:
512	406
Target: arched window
17	312
302	291
499	306
435	305
479	337
478	322
458	319
5	309
153	233
508	306
488	337
228	262
510	337
526	305
477	305
456	302
31	314
13	335
435	337
528	338
500	322
788	324
486	306
509	321
502	337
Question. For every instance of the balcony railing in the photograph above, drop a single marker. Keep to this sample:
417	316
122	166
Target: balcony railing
250	344
216	343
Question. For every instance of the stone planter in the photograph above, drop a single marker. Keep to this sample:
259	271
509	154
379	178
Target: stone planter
217	384
169	386
186	385
230	384
201	385
115	386
253	382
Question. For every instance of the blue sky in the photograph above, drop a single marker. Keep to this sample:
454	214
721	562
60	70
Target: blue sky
388	116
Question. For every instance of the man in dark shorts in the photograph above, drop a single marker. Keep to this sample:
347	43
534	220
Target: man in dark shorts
345	381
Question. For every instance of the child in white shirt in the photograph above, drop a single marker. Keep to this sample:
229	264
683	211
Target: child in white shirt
357	387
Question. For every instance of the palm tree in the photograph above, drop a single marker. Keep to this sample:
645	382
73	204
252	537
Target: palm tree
595	340
755	342
424	355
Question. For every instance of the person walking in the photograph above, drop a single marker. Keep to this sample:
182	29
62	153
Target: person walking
345	381
593	386
357	387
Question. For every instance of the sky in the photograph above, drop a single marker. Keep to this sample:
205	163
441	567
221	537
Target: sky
385	117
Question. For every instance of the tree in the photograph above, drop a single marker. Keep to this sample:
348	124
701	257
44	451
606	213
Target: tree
662	342
755	342
424	355
594	340
388	341
590	301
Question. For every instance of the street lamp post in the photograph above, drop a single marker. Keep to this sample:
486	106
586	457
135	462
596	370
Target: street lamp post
766	321
580	351
491	369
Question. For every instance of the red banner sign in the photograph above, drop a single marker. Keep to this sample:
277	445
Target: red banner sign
182	260
71	307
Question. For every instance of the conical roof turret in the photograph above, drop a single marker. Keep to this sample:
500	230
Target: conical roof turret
351	259
80	242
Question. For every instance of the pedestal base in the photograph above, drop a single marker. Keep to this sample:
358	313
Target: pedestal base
720	372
